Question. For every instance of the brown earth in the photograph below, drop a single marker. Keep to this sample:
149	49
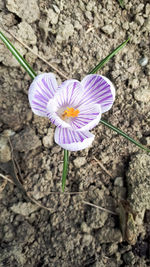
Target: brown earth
74	36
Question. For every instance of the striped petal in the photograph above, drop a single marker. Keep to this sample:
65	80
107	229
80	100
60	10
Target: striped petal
69	95
98	89
72	140
53	110
88	117
41	90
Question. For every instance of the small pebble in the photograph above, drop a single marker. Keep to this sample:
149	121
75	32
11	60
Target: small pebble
118	182
143	61
5	151
79	162
48	140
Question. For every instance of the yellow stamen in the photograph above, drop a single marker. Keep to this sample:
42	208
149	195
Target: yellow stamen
70	112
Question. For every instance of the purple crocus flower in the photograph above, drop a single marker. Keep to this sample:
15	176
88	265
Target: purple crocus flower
74	107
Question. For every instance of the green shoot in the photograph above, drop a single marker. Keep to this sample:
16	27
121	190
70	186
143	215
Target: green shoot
106	59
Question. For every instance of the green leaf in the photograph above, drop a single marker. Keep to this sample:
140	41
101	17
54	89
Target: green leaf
106	59
99	66
65	168
121	2
32	74
19	58
124	135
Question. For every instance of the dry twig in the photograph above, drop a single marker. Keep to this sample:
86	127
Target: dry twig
2	186
6	178
98	207
40	57
102	166
62	193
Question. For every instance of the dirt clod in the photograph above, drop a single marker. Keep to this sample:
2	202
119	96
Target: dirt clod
75	36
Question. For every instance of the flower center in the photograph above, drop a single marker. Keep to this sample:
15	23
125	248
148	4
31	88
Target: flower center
70	112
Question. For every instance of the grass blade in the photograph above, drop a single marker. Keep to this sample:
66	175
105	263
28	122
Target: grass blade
32	74
65	168
99	66
16	54
121	2
124	135
106	59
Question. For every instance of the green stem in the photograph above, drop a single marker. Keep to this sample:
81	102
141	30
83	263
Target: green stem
106	59
65	168
19	58
123	134
32	74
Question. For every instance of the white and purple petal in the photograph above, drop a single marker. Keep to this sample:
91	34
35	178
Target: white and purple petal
73	140
68	95
88	117
41	90
98	89
54	114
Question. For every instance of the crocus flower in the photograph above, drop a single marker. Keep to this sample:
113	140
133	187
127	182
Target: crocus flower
74	107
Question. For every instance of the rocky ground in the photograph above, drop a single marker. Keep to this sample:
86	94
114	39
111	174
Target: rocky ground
74	36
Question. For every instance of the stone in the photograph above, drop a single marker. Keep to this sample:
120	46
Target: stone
119	182
44	26
142	94
9	233
90	6
52	16
25	232
48	140
129	258
24	209
77	25
85	228
7	19
8	132
56	149
112	249
125	25
147	24
57	10
26	33
143	61
148	140
119	192
2	5
5	152
87	239
108	29
135	83
139	7
79	162
107	235
96	218
26	10
139	19
88	14
147	10
26	140
138	184
65	31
